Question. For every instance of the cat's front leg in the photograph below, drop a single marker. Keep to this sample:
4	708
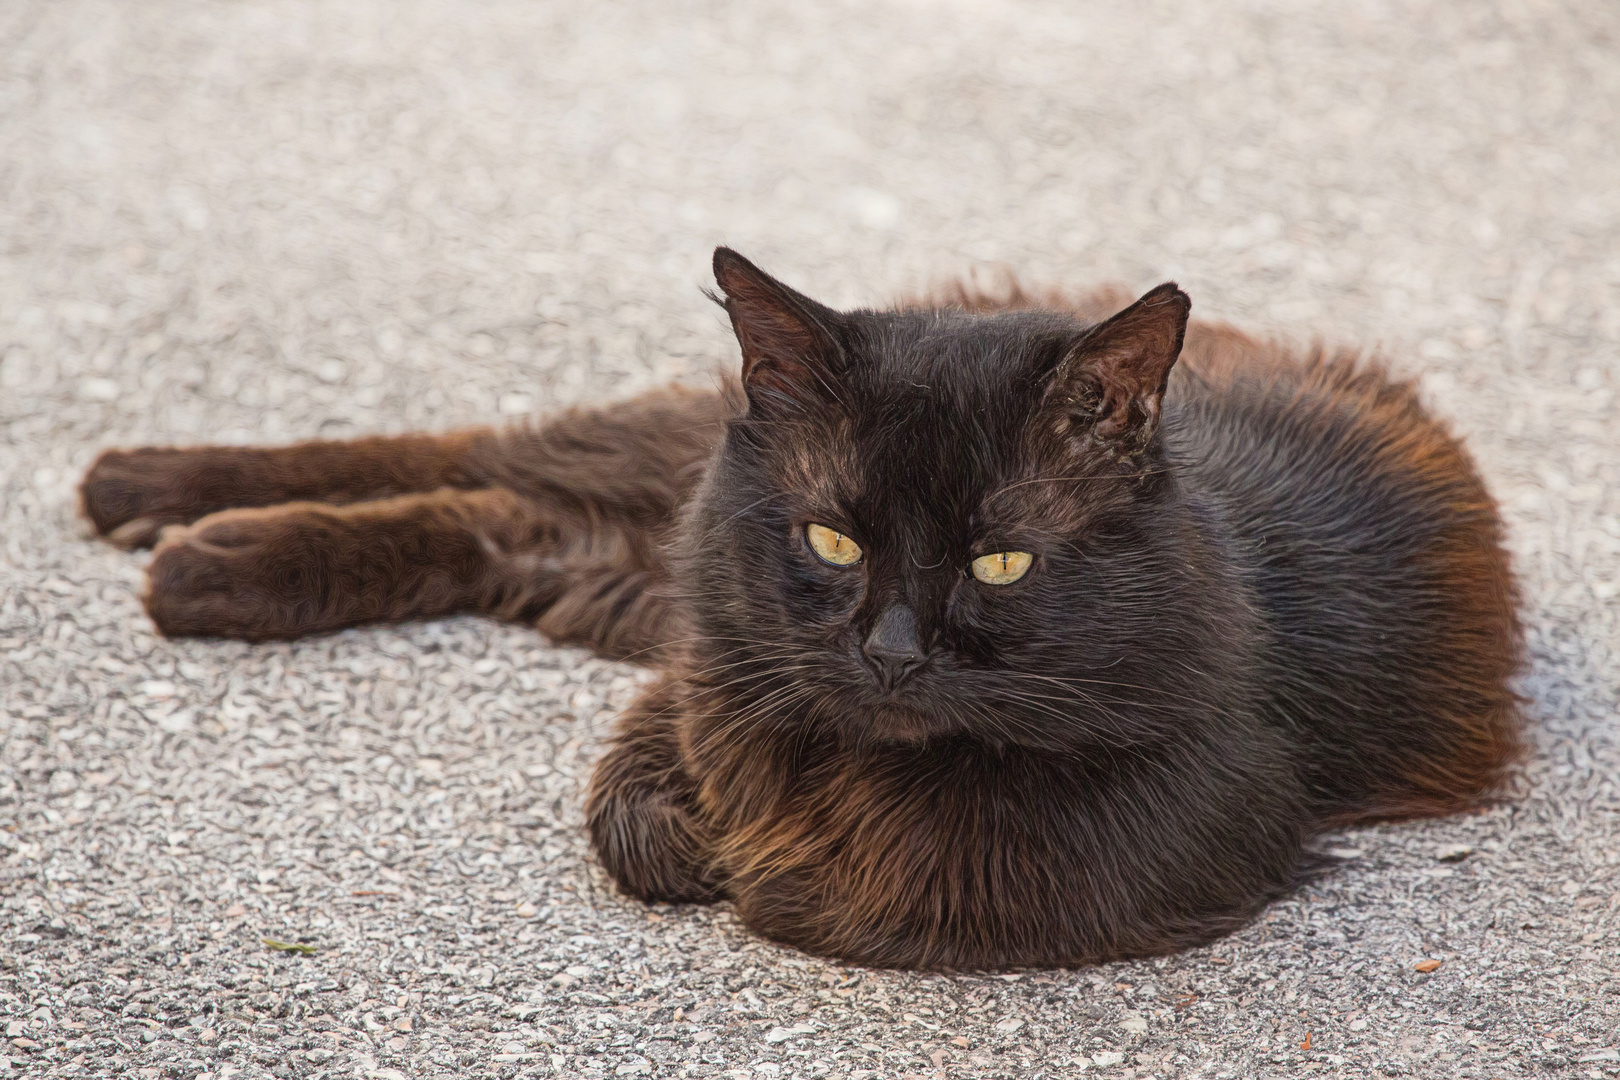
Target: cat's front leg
642	814
130	496
305	568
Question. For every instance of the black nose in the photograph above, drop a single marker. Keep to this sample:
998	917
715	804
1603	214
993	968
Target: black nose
893	648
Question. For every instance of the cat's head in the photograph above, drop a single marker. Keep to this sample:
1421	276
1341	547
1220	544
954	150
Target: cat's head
931	522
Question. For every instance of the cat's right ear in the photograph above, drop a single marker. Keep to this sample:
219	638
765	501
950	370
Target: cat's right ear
789	342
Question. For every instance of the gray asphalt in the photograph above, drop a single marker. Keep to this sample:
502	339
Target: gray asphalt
254	222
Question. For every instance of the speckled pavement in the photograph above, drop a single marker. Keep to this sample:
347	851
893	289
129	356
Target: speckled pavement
255	222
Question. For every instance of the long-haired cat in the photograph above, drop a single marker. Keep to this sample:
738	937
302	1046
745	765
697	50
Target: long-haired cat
986	638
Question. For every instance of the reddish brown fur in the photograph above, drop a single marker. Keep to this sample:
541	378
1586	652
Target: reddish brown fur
559	525
1475	709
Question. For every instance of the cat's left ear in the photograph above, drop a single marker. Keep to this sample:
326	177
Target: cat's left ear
789	350
1116	374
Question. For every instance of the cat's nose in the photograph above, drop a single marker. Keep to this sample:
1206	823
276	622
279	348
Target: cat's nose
893	648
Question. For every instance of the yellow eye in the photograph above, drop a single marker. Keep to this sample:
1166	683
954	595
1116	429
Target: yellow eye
833	546
1002	568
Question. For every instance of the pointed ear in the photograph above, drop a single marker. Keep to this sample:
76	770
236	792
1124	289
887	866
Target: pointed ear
1115	375
789	343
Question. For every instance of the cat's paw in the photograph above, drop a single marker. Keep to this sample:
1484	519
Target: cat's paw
649	854
644	832
130	496
222	578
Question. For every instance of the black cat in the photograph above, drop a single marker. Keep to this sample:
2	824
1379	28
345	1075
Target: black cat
986	640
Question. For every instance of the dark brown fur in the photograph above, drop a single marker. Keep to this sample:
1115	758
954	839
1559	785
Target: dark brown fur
1264	684
560	525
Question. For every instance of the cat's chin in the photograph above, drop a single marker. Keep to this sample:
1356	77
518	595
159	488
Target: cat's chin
891	721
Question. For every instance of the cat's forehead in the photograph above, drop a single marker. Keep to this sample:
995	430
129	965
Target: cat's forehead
927	429
955	385
927	422
972	359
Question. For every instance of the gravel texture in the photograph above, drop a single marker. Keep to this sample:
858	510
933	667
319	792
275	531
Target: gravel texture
252	222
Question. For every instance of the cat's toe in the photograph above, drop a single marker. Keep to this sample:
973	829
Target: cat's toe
129	496
199	589
188	593
647	844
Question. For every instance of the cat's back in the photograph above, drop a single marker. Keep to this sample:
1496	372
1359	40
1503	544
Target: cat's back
1375	554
